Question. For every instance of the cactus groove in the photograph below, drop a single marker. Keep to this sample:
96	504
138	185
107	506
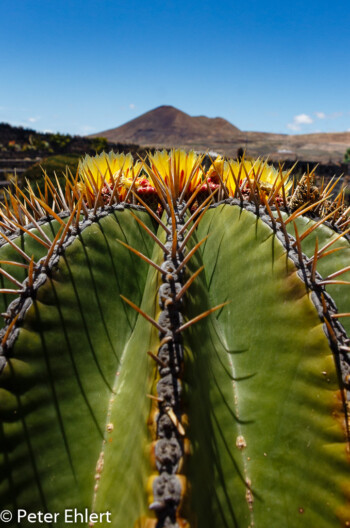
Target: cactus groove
180	362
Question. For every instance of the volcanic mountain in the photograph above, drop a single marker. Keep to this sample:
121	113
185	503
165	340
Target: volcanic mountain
168	126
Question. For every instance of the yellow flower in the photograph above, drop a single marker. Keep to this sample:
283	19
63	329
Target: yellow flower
233	171
176	168
216	168
109	166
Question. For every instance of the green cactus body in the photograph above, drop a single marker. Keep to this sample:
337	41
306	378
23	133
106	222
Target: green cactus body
177	363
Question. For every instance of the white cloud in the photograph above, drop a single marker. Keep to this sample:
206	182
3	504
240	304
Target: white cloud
333	115
299	120
303	119
132	106
33	119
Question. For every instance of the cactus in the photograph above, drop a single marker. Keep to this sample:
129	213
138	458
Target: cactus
176	353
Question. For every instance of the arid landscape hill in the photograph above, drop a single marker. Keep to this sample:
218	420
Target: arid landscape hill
167	126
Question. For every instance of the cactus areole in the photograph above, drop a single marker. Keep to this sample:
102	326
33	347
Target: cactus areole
175	347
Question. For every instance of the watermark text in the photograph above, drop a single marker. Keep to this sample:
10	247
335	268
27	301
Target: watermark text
68	516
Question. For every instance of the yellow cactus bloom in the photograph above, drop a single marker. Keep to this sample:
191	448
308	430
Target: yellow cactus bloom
266	175
176	168
109	166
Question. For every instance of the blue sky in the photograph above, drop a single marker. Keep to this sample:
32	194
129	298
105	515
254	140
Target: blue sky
82	66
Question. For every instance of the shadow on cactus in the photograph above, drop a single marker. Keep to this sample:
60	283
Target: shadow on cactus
175	347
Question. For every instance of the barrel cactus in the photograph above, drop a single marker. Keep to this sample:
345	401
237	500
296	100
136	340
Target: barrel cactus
175	347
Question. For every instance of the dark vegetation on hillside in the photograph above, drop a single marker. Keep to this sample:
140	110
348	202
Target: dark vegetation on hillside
19	143
347	156
27	153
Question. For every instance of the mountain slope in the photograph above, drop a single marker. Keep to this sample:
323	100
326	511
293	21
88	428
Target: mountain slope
166	125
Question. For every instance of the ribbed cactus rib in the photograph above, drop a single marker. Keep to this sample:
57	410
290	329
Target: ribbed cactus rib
331	263
64	365
180	375
16	309
278	389
30	247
